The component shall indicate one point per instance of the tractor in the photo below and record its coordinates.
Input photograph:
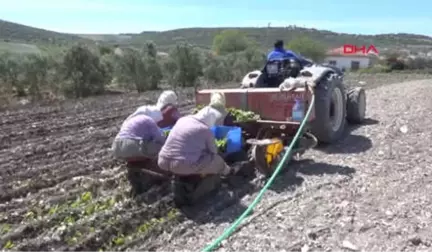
(265, 140)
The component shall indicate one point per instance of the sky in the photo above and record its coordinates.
(134, 16)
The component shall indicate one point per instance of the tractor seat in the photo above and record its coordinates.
(276, 71)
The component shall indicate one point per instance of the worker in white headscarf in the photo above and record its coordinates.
(218, 102)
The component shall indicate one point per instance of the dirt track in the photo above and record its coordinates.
(61, 190)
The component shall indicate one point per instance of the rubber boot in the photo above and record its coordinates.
(190, 190)
(134, 177)
(181, 190)
(205, 187)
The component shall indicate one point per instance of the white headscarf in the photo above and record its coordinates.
(217, 100)
(150, 111)
(167, 97)
(208, 115)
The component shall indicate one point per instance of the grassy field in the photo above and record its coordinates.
(18, 47)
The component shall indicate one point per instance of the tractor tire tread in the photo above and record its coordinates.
(321, 126)
(354, 115)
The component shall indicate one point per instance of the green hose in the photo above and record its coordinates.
(237, 222)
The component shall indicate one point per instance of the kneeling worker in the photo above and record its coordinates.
(139, 140)
(139, 136)
(190, 150)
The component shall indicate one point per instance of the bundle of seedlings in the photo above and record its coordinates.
(237, 115)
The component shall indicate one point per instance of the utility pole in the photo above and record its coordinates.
(267, 34)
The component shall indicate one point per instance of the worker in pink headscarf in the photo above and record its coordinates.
(190, 152)
(139, 136)
(168, 105)
(139, 142)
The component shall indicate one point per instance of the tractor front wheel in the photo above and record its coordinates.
(356, 105)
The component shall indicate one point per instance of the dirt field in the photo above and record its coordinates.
(60, 189)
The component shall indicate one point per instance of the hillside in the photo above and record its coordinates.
(13, 32)
(203, 37)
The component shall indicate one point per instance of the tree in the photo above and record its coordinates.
(216, 69)
(10, 69)
(154, 69)
(132, 68)
(308, 48)
(105, 50)
(230, 41)
(255, 58)
(83, 72)
(184, 66)
(36, 69)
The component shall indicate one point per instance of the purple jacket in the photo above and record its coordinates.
(141, 127)
(188, 140)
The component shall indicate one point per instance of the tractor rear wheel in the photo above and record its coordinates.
(330, 109)
(356, 105)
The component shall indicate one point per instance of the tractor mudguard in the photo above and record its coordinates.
(317, 72)
(251, 79)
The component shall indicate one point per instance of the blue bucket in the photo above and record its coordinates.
(233, 136)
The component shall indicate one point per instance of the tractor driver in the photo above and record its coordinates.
(279, 53)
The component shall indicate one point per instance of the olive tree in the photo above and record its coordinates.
(308, 48)
(131, 68)
(10, 70)
(84, 74)
(153, 67)
(35, 70)
(184, 66)
(230, 41)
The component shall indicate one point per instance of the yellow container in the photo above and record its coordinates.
(273, 150)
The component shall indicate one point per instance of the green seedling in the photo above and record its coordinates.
(9, 245)
(221, 144)
(86, 197)
(243, 116)
(119, 240)
(74, 239)
(141, 230)
(5, 229)
(69, 220)
(172, 214)
(53, 210)
(30, 215)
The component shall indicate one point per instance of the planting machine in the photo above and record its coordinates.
(267, 138)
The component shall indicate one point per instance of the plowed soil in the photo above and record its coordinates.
(60, 189)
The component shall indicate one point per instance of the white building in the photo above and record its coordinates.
(353, 61)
